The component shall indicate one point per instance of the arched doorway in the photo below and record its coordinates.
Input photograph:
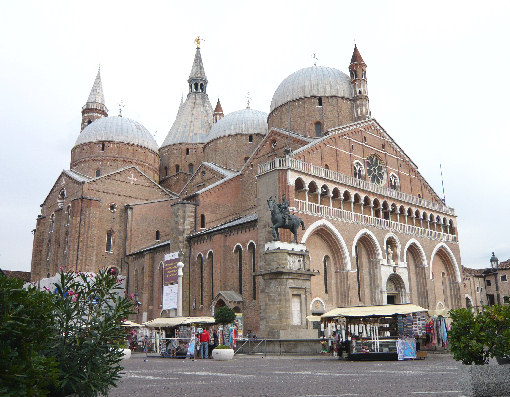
(417, 265)
(367, 257)
(445, 275)
(395, 290)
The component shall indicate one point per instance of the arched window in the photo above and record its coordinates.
(239, 252)
(190, 168)
(52, 223)
(158, 235)
(195, 86)
(201, 280)
(325, 262)
(210, 258)
(109, 241)
(318, 129)
(68, 215)
(250, 138)
(98, 172)
(177, 168)
(202, 87)
(166, 171)
(202, 221)
(319, 101)
(251, 250)
(187, 151)
(102, 146)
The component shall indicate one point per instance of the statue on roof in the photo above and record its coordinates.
(197, 42)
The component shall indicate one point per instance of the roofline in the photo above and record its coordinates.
(167, 242)
(244, 220)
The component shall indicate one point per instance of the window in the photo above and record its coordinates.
(246, 159)
(187, 151)
(177, 168)
(318, 129)
(109, 241)
(477, 289)
(250, 138)
(68, 215)
(195, 86)
(89, 122)
(319, 101)
(158, 235)
(201, 280)
(52, 223)
(166, 171)
(488, 283)
(102, 146)
(325, 262)
(506, 299)
(113, 207)
(251, 249)
(98, 172)
(239, 252)
(202, 87)
(503, 278)
(202, 221)
(190, 168)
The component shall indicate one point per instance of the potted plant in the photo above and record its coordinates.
(475, 339)
(223, 315)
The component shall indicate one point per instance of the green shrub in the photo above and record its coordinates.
(26, 332)
(224, 315)
(220, 347)
(474, 338)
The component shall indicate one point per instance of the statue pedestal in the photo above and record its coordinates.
(284, 291)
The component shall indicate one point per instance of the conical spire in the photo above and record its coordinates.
(197, 70)
(218, 112)
(95, 107)
(356, 56)
(96, 93)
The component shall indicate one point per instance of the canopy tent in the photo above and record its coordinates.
(128, 323)
(373, 311)
(164, 322)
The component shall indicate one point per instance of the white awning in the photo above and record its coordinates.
(128, 323)
(373, 311)
(313, 318)
(163, 322)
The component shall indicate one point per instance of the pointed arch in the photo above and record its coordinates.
(449, 252)
(372, 237)
(338, 237)
(399, 246)
(421, 251)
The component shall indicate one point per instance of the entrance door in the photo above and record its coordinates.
(296, 309)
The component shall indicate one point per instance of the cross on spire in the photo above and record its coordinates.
(315, 59)
(248, 99)
(121, 106)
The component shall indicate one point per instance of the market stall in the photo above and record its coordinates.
(386, 332)
(173, 336)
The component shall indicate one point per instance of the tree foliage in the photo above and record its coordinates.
(63, 343)
(26, 331)
(224, 315)
(474, 338)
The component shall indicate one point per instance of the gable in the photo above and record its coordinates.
(206, 175)
(69, 185)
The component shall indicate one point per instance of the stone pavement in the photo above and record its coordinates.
(438, 375)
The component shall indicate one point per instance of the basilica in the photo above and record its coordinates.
(375, 231)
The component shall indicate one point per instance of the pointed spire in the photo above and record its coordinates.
(356, 56)
(197, 70)
(96, 93)
(218, 112)
(95, 107)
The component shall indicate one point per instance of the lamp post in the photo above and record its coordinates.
(494, 266)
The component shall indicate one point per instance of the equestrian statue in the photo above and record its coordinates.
(282, 219)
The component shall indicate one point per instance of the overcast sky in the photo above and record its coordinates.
(438, 82)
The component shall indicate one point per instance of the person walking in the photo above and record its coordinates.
(205, 338)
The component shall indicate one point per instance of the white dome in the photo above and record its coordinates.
(246, 121)
(117, 129)
(315, 81)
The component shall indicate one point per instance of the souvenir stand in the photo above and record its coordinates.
(386, 332)
(180, 329)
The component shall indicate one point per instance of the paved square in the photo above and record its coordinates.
(438, 375)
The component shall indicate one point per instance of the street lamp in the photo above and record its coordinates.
(494, 266)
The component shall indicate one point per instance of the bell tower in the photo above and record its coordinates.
(94, 108)
(358, 72)
(197, 79)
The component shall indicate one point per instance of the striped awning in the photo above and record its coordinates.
(373, 311)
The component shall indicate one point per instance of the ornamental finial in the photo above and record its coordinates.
(197, 42)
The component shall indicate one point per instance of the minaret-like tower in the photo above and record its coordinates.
(94, 108)
(197, 79)
(358, 71)
(218, 112)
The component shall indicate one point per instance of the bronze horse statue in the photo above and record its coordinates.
(283, 220)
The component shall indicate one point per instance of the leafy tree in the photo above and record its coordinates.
(89, 311)
(224, 315)
(26, 334)
(474, 338)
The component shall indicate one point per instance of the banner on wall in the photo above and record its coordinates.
(170, 279)
(170, 268)
(170, 296)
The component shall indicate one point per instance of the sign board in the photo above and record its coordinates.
(170, 268)
(170, 296)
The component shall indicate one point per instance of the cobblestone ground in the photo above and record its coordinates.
(438, 375)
